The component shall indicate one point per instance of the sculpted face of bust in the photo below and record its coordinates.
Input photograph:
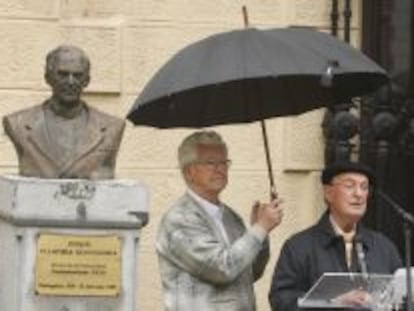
(67, 72)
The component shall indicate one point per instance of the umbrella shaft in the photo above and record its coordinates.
(273, 193)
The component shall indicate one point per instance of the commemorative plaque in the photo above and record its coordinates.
(75, 265)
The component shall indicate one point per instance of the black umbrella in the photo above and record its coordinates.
(250, 74)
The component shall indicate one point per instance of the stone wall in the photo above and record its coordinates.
(127, 42)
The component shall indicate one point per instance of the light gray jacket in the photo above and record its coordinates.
(200, 270)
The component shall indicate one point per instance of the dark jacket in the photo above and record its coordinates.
(310, 253)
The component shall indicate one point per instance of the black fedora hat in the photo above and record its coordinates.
(337, 168)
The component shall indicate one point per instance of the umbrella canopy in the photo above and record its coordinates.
(250, 74)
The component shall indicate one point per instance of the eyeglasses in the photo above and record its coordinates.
(350, 186)
(213, 164)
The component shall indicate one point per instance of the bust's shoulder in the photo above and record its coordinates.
(26, 112)
(24, 116)
(107, 119)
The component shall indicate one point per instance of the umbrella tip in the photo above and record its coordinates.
(245, 16)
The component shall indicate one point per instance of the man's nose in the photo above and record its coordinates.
(71, 79)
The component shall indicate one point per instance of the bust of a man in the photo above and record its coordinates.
(64, 137)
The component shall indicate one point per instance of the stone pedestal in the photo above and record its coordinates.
(69, 245)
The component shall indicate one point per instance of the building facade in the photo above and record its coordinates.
(127, 41)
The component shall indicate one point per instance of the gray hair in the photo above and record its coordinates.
(187, 152)
(53, 56)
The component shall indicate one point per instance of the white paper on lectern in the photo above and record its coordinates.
(399, 284)
(331, 285)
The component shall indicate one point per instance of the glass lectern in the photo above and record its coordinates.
(331, 290)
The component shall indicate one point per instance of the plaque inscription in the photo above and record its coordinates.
(75, 265)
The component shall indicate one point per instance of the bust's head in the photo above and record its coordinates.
(67, 72)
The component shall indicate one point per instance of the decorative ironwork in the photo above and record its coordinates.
(334, 18)
(407, 135)
(347, 20)
(387, 119)
(339, 124)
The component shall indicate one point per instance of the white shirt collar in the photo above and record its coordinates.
(214, 210)
(348, 236)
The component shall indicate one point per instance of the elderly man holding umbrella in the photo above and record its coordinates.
(208, 259)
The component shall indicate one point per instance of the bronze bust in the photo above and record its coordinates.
(64, 137)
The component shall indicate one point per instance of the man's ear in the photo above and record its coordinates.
(48, 78)
(327, 192)
(187, 173)
(86, 81)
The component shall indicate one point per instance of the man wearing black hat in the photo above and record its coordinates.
(337, 243)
